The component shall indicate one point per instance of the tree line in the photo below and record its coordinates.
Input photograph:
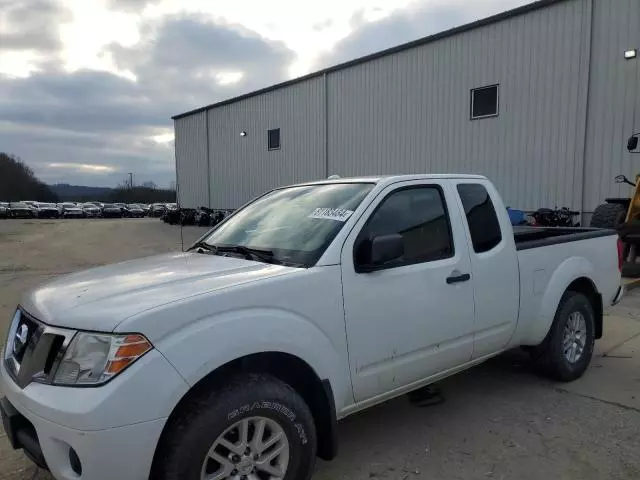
(18, 182)
(146, 193)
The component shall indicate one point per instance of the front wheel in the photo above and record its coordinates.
(255, 428)
(567, 349)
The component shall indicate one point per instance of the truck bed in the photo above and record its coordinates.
(534, 237)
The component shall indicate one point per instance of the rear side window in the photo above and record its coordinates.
(481, 217)
(420, 216)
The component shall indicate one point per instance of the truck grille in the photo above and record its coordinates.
(33, 349)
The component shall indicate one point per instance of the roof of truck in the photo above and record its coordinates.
(395, 178)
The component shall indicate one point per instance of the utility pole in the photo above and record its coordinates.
(130, 179)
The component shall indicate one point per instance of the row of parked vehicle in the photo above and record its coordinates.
(202, 216)
(31, 209)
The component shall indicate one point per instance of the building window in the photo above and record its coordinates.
(273, 139)
(484, 102)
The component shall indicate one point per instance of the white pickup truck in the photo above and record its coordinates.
(235, 359)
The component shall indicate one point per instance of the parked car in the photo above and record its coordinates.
(110, 210)
(4, 209)
(91, 210)
(157, 209)
(146, 207)
(172, 216)
(171, 213)
(21, 210)
(32, 205)
(134, 211)
(71, 210)
(122, 207)
(320, 300)
(47, 210)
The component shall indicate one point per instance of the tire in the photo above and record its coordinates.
(203, 420)
(608, 215)
(550, 354)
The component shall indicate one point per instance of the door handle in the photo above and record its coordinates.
(458, 278)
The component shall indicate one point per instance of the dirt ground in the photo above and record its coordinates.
(498, 421)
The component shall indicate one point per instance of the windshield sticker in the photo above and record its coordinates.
(339, 214)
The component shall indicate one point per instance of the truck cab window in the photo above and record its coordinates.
(420, 216)
(481, 216)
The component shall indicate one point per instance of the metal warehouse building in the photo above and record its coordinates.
(540, 99)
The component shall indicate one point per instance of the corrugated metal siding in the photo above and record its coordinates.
(614, 100)
(409, 112)
(191, 160)
(242, 167)
(568, 102)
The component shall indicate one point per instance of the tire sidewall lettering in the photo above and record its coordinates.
(275, 407)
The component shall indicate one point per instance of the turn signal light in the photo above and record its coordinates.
(131, 348)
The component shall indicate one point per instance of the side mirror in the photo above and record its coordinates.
(386, 248)
(378, 251)
(632, 143)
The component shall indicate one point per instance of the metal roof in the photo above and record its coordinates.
(539, 4)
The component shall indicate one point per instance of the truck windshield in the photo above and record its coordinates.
(296, 224)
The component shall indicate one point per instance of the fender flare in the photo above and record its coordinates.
(566, 273)
(262, 330)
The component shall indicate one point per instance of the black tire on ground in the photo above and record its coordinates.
(549, 355)
(193, 431)
(608, 215)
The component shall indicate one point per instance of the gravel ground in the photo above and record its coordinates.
(498, 421)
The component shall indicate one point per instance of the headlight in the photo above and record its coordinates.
(94, 358)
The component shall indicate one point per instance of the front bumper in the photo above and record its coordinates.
(111, 431)
(21, 433)
(48, 214)
(122, 452)
(21, 214)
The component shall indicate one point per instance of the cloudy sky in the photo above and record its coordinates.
(87, 87)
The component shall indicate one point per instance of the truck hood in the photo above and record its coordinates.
(101, 298)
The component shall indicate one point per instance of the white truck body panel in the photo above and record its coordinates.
(372, 335)
(437, 327)
(544, 278)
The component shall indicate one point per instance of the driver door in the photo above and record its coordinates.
(412, 317)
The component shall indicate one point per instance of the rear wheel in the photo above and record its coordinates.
(255, 428)
(608, 215)
(567, 349)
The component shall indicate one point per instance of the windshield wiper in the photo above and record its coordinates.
(264, 255)
(250, 253)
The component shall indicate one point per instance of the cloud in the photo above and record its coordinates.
(116, 117)
(189, 54)
(130, 5)
(30, 25)
(417, 21)
(61, 122)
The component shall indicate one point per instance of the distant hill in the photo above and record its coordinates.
(18, 182)
(146, 193)
(80, 192)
